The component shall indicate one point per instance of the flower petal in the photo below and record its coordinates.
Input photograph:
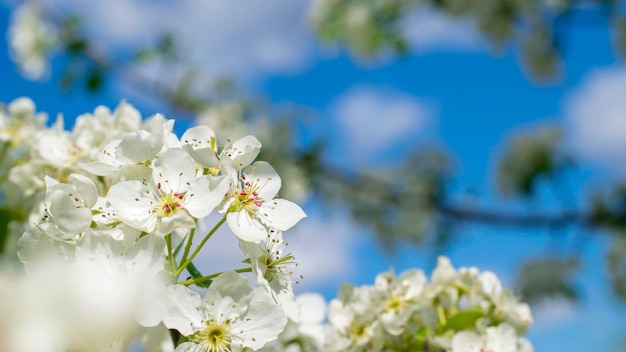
(181, 311)
(246, 228)
(280, 214)
(205, 193)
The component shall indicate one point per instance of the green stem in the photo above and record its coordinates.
(442, 315)
(188, 246)
(197, 250)
(213, 276)
(170, 255)
(3, 151)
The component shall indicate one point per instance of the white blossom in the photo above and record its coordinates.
(171, 199)
(251, 206)
(273, 270)
(230, 315)
(31, 39)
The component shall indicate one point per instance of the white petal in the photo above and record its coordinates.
(137, 147)
(50, 182)
(86, 189)
(197, 142)
(74, 221)
(243, 151)
(262, 324)
(524, 345)
(490, 284)
(180, 220)
(229, 284)
(280, 214)
(395, 322)
(157, 339)
(181, 313)
(132, 203)
(502, 338)
(444, 272)
(414, 281)
(312, 308)
(174, 170)
(466, 341)
(246, 228)
(147, 256)
(190, 347)
(205, 193)
(265, 176)
(198, 137)
(98, 168)
(205, 157)
(287, 301)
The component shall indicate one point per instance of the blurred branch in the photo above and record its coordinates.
(487, 216)
(370, 27)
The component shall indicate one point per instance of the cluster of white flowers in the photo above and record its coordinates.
(457, 311)
(31, 38)
(104, 218)
(112, 209)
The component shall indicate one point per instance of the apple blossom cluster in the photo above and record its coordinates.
(107, 219)
(113, 207)
(456, 311)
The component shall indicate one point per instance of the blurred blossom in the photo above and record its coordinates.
(529, 155)
(96, 293)
(32, 39)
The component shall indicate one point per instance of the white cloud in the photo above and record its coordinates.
(240, 39)
(374, 120)
(428, 30)
(245, 40)
(596, 117)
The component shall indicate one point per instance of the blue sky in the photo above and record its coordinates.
(454, 91)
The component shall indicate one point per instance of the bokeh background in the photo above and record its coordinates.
(492, 132)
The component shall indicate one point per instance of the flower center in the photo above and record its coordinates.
(169, 203)
(278, 266)
(215, 337)
(247, 197)
(395, 304)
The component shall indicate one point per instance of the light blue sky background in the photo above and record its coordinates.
(454, 91)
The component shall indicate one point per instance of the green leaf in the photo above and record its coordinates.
(166, 46)
(76, 46)
(5, 218)
(464, 320)
(94, 81)
(422, 334)
(195, 273)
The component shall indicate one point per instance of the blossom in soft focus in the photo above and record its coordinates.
(31, 39)
(94, 297)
